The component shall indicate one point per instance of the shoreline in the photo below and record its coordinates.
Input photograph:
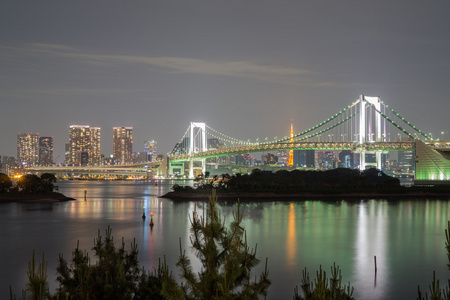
(270, 196)
(34, 198)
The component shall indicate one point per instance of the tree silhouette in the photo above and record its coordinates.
(5, 183)
(225, 258)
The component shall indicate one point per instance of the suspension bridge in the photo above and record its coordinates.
(366, 126)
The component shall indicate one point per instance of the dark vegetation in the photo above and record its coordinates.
(226, 261)
(28, 184)
(334, 181)
(114, 273)
(324, 287)
(436, 293)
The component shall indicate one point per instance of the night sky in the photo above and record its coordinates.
(243, 67)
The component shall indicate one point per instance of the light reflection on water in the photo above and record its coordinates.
(407, 237)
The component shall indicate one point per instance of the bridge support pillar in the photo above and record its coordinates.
(378, 156)
(191, 168)
(362, 160)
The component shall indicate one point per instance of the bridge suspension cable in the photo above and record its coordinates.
(341, 112)
(183, 140)
(227, 138)
(327, 129)
(405, 121)
(391, 121)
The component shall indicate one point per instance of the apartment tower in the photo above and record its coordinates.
(151, 149)
(123, 144)
(28, 148)
(84, 145)
(46, 151)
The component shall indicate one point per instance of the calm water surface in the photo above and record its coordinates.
(407, 237)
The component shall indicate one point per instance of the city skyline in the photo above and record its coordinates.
(245, 67)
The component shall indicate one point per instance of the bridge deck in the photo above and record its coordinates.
(354, 146)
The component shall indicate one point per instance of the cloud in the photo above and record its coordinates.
(241, 69)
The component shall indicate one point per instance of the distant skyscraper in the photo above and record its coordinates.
(270, 159)
(67, 154)
(84, 145)
(406, 162)
(46, 151)
(325, 159)
(151, 149)
(213, 143)
(346, 159)
(28, 148)
(123, 144)
(244, 159)
(309, 158)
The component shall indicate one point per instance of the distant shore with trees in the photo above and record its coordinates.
(339, 183)
(30, 188)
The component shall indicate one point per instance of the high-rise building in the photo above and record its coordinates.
(67, 154)
(46, 151)
(123, 144)
(151, 149)
(325, 160)
(214, 143)
(244, 159)
(270, 159)
(84, 145)
(406, 162)
(346, 159)
(28, 148)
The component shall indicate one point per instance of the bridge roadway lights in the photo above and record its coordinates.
(369, 147)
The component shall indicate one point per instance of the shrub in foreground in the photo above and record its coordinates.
(226, 261)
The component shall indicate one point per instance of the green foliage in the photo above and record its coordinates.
(225, 257)
(339, 180)
(5, 183)
(324, 288)
(32, 184)
(115, 274)
(436, 293)
(37, 286)
(48, 177)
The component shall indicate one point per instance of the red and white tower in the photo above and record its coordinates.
(291, 152)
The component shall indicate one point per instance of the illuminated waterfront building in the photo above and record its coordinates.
(28, 148)
(45, 151)
(84, 145)
(123, 144)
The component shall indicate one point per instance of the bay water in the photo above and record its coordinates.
(406, 236)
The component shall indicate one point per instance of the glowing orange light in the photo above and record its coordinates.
(151, 214)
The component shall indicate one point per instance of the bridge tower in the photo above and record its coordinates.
(197, 143)
(369, 130)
